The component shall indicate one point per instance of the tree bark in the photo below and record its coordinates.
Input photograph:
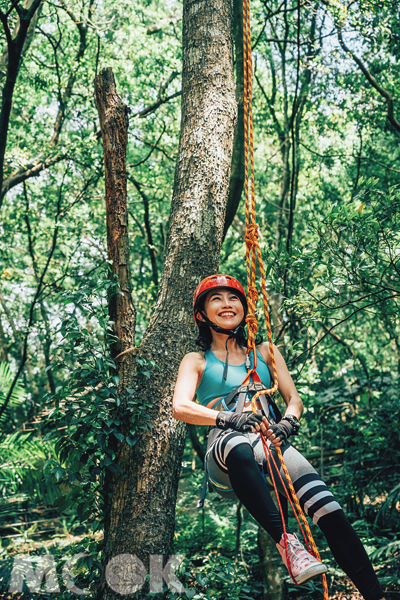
(113, 115)
(141, 516)
(274, 571)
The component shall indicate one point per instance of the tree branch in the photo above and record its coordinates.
(27, 172)
(271, 107)
(3, 19)
(353, 353)
(153, 147)
(43, 311)
(114, 122)
(147, 226)
(33, 305)
(12, 7)
(63, 98)
(15, 48)
(372, 81)
(236, 180)
(293, 123)
(328, 331)
(153, 107)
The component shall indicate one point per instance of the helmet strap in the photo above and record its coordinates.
(231, 333)
(227, 358)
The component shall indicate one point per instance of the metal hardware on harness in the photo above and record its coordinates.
(228, 403)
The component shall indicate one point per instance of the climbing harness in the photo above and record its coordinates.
(253, 251)
(234, 402)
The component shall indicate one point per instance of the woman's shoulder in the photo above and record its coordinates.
(263, 349)
(195, 360)
(266, 354)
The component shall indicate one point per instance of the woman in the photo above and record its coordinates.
(235, 459)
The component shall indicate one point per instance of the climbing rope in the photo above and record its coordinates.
(253, 254)
(251, 237)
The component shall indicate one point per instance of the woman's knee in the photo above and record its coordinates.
(226, 445)
(241, 454)
(315, 498)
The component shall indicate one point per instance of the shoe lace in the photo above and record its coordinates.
(298, 555)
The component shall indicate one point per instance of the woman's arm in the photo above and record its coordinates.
(185, 409)
(287, 388)
(294, 404)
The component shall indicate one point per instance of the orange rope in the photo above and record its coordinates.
(253, 252)
(253, 249)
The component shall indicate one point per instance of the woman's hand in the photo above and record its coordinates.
(265, 428)
(243, 422)
(276, 433)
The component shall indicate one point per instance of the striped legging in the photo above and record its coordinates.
(236, 468)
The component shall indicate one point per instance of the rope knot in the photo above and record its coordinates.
(252, 324)
(251, 236)
(253, 294)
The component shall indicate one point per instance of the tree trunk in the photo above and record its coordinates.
(273, 569)
(113, 115)
(236, 182)
(140, 521)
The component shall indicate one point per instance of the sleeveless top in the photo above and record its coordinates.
(212, 384)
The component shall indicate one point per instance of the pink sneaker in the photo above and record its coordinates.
(303, 564)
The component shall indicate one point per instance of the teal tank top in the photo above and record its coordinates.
(213, 385)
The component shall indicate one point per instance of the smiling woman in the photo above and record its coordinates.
(235, 462)
(224, 308)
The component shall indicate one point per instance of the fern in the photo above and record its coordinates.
(389, 504)
(22, 457)
(387, 551)
(17, 396)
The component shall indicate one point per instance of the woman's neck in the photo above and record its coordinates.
(218, 344)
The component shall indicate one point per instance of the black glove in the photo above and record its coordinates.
(238, 421)
(282, 430)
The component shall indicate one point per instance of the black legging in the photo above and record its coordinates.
(251, 489)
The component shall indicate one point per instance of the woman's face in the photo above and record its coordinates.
(224, 308)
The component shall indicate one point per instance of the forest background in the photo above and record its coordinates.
(326, 118)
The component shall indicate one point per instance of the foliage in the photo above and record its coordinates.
(15, 407)
(85, 572)
(326, 156)
(217, 577)
(22, 459)
(91, 414)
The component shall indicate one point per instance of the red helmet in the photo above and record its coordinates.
(217, 281)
